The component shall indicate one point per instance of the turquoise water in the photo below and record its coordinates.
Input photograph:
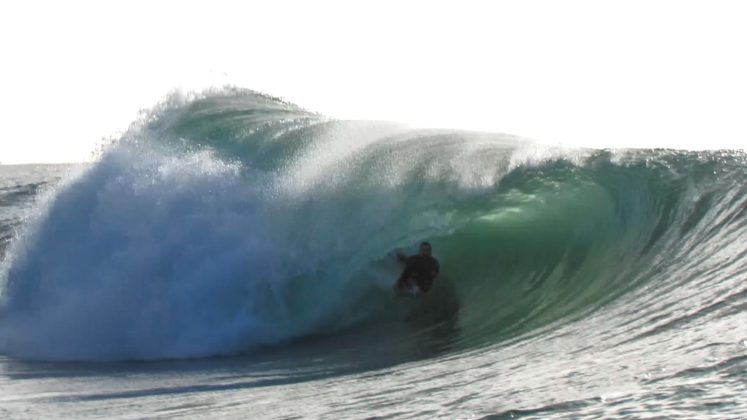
(230, 256)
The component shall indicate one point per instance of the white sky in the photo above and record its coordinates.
(595, 73)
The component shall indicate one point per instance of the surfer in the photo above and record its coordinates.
(420, 271)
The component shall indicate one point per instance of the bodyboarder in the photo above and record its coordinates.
(419, 273)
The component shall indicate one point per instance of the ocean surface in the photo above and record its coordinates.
(231, 256)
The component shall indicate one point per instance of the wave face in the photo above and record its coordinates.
(228, 221)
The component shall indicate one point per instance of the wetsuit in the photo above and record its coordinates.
(420, 269)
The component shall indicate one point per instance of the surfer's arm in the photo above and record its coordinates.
(406, 273)
(435, 269)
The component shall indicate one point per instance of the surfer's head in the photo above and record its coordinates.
(425, 249)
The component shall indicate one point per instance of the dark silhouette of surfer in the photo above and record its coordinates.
(419, 273)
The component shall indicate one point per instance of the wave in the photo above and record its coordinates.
(231, 220)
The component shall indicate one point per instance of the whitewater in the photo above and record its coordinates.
(231, 255)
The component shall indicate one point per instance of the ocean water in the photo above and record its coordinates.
(230, 256)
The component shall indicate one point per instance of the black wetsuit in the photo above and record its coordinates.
(422, 269)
